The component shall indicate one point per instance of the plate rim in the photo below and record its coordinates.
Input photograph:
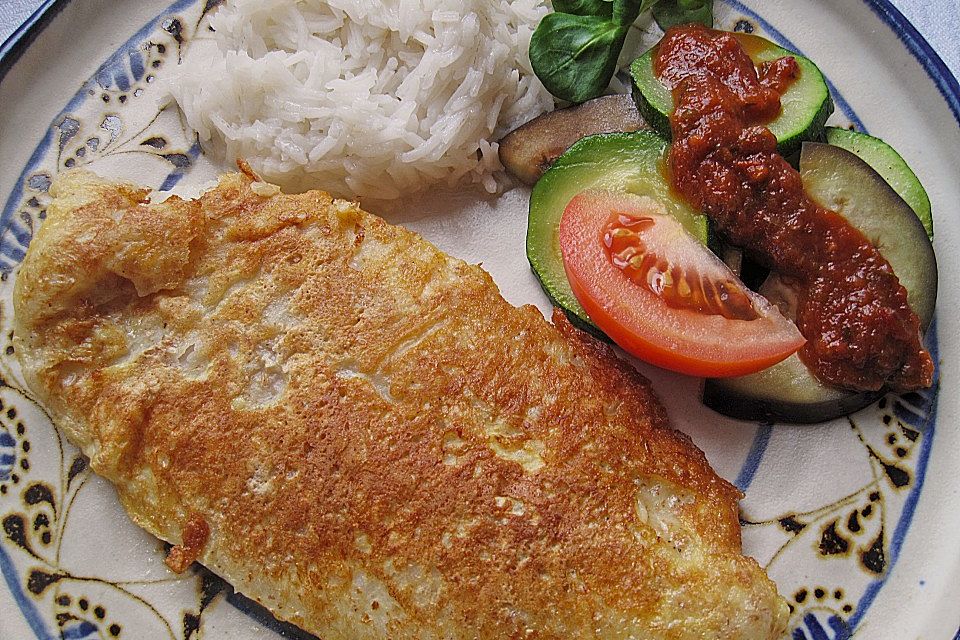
(23, 36)
(921, 49)
(916, 44)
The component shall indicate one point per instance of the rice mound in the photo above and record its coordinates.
(362, 97)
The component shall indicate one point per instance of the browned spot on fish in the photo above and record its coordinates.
(195, 534)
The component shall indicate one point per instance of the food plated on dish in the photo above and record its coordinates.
(736, 106)
(618, 231)
(357, 431)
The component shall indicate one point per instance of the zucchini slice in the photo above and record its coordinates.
(888, 163)
(806, 104)
(630, 162)
(839, 180)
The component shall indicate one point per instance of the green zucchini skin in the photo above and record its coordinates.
(839, 180)
(806, 103)
(888, 163)
(630, 162)
(654, 101)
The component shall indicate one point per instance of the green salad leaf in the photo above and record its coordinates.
(602, 8)
(574, 50)
(626, 11)
(575, 56)
(668, 13)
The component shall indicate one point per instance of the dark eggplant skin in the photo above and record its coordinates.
(529, 150)
(749, 408)
(788, 392)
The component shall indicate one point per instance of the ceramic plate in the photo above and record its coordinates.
(855, 520)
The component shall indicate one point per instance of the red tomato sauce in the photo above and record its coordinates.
(861, 332)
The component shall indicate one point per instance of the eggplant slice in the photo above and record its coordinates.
(529, 150)
(841, 181)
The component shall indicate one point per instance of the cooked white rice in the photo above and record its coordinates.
(362, 97)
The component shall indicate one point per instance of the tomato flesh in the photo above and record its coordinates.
(661, 295)
(679, 286)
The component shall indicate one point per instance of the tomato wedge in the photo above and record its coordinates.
(661, 295)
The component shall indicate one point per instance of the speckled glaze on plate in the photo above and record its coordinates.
(855, 520)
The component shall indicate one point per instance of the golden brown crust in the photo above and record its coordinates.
(195, 534)
(380, 444)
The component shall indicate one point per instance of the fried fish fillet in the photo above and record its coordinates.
(357, 431)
